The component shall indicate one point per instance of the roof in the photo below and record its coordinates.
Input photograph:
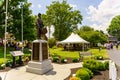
(74, 38)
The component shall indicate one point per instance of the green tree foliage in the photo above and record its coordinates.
(89, 34)
(114, 27)
(14, 20)
(63, 18)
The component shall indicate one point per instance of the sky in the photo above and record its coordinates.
(96, 13)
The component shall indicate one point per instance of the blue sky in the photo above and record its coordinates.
(96, 13)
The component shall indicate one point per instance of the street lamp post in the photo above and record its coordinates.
(6, 17)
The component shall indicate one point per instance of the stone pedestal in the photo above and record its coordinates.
(39, 63)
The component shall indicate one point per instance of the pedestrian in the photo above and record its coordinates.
(117, 45)
(111, 45)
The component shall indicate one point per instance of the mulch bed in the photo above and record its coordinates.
(101, 75)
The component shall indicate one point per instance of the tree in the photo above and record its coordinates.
(14, 20)
(92, 36)
(63, 18)
(114, 27)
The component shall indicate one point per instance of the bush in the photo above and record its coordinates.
(54, 55)
(63, 60)
(74, 78)
(2, 66)
(99, 57)
(75, 60)
(55, 59)
(83, 74)
(9, 63)
(101, 66)
(106, 63)
(91, 64)
(51, 42)
(89, 72)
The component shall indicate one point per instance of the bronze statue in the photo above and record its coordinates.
(41, 30)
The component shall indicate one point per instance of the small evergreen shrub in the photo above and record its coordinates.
(55, 59)
(9, 63)
(83, 74)
(54, 55)
(101, 66)
(2, 66)
(99, 57)
(106, 63)
(89, 72)
(91, 64)
(63, 60)
(75, 60)
(74, 78)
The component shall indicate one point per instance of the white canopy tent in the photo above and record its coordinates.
(74, 38)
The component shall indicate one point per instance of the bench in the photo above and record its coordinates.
(82, 54)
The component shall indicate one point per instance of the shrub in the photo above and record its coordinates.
(51, 42)
(63, 60)
(91, 64)
(89, 72)
(9, 63)
(99, 57)
(106, 63)
(74, 78)
(83, 74)
(101, 66)
(55, 59)
(2, 66)
(26, 58)
(54, 55)
(75, 60)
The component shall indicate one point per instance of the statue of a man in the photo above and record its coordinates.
(41, 31)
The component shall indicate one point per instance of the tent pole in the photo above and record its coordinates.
(83, 47)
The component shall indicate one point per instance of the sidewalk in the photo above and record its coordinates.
(59, 72)
(114, 55)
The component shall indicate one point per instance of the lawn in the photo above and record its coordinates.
(62, 53)
(58, 51)
(72, 54)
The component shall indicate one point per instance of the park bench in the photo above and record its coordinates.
(82, 54)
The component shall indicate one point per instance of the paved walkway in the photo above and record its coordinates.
(60, 72)
(115, 55)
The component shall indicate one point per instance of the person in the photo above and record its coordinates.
(17, 47)
(117, 45)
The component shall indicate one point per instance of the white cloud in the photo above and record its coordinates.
(39, 6)
(73, 6)
(106, 10)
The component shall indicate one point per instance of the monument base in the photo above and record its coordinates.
(39, 67)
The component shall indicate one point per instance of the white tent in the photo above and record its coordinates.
(73, 39)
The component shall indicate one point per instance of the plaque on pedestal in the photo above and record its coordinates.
(39, 59)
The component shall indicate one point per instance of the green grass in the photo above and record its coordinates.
(60, 52)
(72, 54)
(96, 52)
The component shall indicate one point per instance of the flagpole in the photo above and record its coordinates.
(6, 17)
(22, 25)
